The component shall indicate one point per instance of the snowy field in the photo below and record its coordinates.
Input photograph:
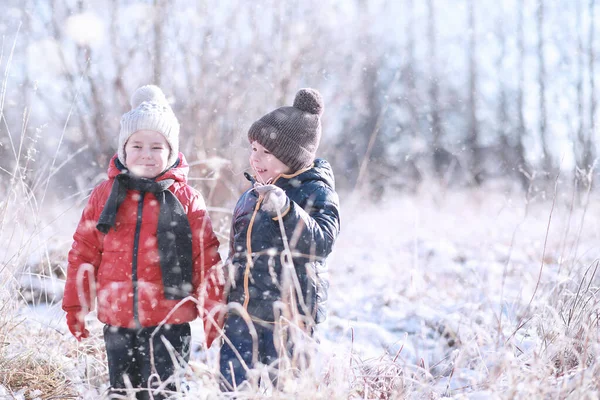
(472, 294)
(453, 285)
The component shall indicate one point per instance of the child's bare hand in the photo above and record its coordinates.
(274, 199)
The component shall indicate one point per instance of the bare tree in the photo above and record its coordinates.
(439, 153)
(370, 152)
(502, 116)
(26, 40)
(589, 148)
(121, 57)
(583, 141)
(547, 163)
(409, 77)
(159, 16)
(525, 173)
(74, 72)
(473, 136)
(580, 139)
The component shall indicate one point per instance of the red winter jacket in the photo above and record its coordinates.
(110, 256)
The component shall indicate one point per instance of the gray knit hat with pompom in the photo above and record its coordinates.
(150, 110)
(292, 134)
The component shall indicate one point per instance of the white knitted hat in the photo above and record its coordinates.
(150, 110)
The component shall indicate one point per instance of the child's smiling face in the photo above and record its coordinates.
(265, 164)
(146, 153)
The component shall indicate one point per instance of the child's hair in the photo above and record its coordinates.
(292, 134)
(150, 110)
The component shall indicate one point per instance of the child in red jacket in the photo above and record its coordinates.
(144, 249)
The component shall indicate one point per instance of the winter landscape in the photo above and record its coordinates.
(437, 295)
(462, 135)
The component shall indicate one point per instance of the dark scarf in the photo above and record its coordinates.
(174, 233)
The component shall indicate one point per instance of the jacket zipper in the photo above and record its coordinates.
(249, 253)
(134, 260)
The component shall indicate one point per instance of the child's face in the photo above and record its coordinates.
(265, 164)
(146, 153)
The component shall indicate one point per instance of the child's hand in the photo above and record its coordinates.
(76, 325)
(274, 199)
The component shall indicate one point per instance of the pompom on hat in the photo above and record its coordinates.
(150, 110)
(292, 134)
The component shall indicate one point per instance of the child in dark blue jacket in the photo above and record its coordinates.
(283, 229)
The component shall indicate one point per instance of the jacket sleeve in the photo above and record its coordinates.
(312, 230)
(208, 272)
(84, 258)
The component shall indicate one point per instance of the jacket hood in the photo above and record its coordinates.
(320, 170)
(178, 172)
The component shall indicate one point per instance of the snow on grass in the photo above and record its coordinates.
(467, 294)
(449, 279)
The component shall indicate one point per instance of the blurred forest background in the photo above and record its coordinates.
(464, 92)
(448, 115)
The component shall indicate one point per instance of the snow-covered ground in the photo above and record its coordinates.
(462, 289)
(444, 281)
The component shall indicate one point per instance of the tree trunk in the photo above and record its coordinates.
(121, 96)
(589, 148)
(436, 126)
(525, 173)
(547, 163)
(159, 10)
(502, 110)
(475, 167)
(409, 76)
(580, 139)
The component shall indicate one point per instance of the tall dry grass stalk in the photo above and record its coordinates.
(34, 355)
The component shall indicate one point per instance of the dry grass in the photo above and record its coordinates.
(35, 377)
(549, 350)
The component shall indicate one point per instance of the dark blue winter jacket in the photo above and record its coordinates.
(310, 227)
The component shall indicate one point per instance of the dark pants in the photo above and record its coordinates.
(128, 352)
(273, 342)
